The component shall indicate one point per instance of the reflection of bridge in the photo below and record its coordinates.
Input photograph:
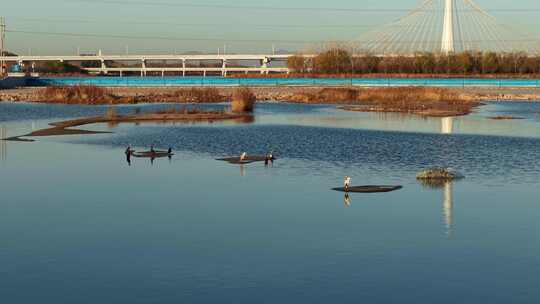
(181, 64)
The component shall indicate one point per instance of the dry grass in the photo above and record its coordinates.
(420, 100)
(197, 95)
(243, 100)
(82, 95)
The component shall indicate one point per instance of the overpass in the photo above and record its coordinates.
(106, 64)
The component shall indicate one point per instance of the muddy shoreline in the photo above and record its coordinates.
(433, 102)
(277, 94)
(66, 127)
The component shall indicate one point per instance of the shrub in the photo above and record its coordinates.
(78, 94)
(243, 100)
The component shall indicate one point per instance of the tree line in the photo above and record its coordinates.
(341, 61)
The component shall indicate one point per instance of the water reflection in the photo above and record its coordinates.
(448, 205)
(448, 200)
(347, 200)
(3, 144)
(447, 125)
(242, 170)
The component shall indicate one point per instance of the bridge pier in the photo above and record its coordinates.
(264, 65)
(143, 67)
(183, 68)
(224, 68)
(103, 67)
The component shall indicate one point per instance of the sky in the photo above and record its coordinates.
(239, 26)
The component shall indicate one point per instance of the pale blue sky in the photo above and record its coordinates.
(141, 18)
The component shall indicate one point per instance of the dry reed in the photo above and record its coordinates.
(243, 100)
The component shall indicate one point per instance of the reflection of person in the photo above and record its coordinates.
(347, 200)
(242, 170)
(243, 156)
(346, 183)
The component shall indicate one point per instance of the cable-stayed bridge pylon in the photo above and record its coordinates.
(446, 26)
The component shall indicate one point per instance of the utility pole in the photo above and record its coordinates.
(2, 44)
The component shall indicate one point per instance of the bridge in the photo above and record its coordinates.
(105, 64)
(447, 26)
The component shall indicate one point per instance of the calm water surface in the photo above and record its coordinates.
(80, 225)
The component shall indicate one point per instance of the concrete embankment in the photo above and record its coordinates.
(12, 82)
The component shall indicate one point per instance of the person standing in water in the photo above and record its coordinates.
(169, 151)
(271, 157)
(128, 150)
(346, 183)
(243, 156)
(128, 154)
(152, 149)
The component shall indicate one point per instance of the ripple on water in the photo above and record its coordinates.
(373, 152)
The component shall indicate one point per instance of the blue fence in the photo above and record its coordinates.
(222, 81)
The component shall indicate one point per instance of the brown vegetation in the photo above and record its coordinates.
(199, 95)
(340, 61)
(82, 95)
(243, 100)
(98, 95)
(110, 117)
(416, 100)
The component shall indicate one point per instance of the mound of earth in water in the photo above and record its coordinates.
(439, 173)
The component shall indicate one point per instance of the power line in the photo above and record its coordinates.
(283, 8)
(166, 38)
(169, 38)
(133, 22)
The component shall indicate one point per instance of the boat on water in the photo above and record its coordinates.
(152, 154)
(247, 159)
(368, 189)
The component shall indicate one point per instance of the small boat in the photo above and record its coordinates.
(241, 162)
(249, 158)
(152, 154)
(368, 189)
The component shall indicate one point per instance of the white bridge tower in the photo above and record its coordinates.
(446, 26)
(447, 44)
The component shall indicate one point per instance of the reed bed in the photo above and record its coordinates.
(420, 100)
(82, 94)
(243, 100)
(199, 95)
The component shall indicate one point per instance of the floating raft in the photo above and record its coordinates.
(150, 154)
(369, 189)
(247, 160)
